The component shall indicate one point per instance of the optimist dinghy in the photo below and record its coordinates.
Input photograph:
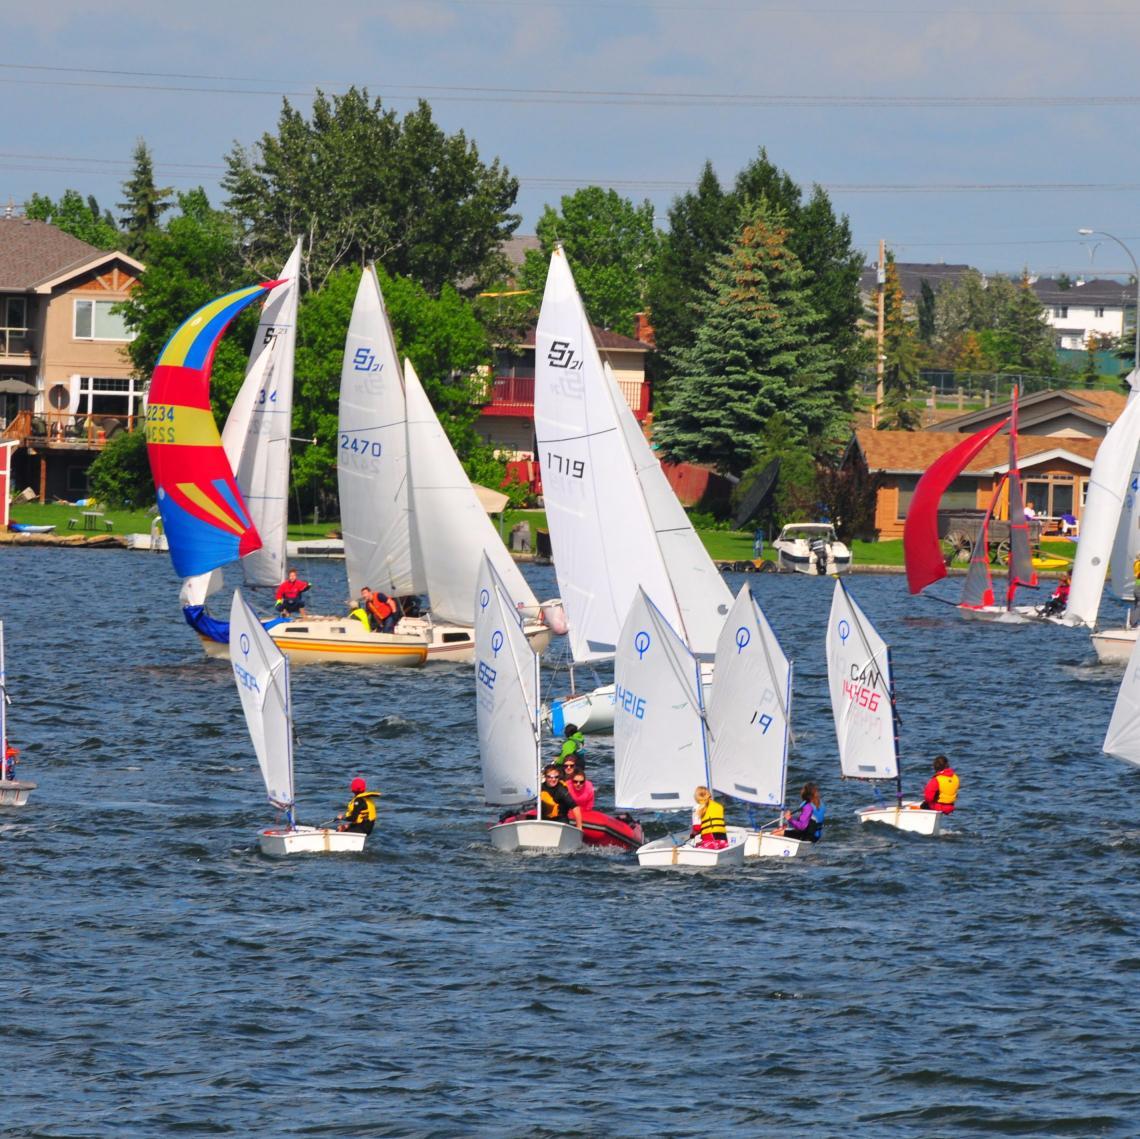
(863, 705)
(261, 673)
(13, 792)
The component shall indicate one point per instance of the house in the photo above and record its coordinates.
(1100, 309)
(1059, 433)
(66, 384)
(912, 274)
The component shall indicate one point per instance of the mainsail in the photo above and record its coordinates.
(659, 737)
(750, 707)
(922, 549)
(1123, 736)
(862, 692)
(206, 522)
(261, 673)
(506, 695)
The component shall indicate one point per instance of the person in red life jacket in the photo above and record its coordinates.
(291, 595)
(382, 611)
(360, 814)
(555, 801)
(11, 755)
(941, 791)
(708, 820)
(1056, 604)
(580, 788)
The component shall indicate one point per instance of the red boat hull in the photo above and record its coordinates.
(599, 829)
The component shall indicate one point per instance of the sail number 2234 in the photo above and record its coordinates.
(160, 423)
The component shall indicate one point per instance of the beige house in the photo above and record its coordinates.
(66, 383)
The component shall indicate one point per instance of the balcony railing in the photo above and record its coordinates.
(74, 432)
(15, 343)
(514, 395)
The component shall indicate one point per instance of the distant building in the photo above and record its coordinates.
(66, 383)
(911, 276)
(1083, 309)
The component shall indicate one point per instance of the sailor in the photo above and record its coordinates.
(360, 814)
(580, 788)
(574, 743)
(708, 822)
(1056, 604)
(383, 611)
(291, 594)
(806, 821)
(556, 801)
(941, 791)
(11, 753)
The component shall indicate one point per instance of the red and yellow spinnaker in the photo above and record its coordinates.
(206, 521)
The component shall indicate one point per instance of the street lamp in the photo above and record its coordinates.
(1136, 275)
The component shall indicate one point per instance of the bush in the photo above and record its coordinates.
(120, 475)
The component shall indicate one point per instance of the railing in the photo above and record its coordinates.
(514, 394)
(58, 429)
(15, 342)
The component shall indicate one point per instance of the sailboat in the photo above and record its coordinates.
(13, 792)
(1123, 736)
(863, 706)
(749, 718)
(261, 673)
(615, 523)
(207, 521)
(506, 710)
(660, 744)
(412, 521)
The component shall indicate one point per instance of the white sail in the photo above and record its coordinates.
(372, 454)
(659, 737)
(451, 529)
(750, 707)
(261, 673)
(600, 529)
(258, 427)
(1126, 545)
(1104, 502)
(859, 676)
(702, 597)
(1123, 736)
(199, 587)
(506, 694)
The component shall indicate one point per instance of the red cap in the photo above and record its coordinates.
(358, 785)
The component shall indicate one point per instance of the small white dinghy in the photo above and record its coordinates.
(660, 747)
(13, 792)
(507, 717)
(863, 706)
(748, 720)
(261, 673)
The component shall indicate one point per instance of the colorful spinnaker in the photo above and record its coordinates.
(206, 521)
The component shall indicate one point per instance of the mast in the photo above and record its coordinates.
(1020, 570)
(3, 710)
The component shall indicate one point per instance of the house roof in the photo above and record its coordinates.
(1099, 407)
(1098, 291)
(911, 276)
(517, 246)
(912, 452)
(35, 255)
(603, 338)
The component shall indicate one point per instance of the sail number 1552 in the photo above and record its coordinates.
(559, 464)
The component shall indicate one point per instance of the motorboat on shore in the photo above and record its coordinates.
(811, 548)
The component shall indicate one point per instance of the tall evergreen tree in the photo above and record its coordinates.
(900, 358)
(759, 350)
(79, 216)
(1030, 332)
(926, 324)
(144, 205)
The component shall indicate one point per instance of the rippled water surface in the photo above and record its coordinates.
(162, 977)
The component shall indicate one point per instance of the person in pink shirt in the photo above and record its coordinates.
(581, 789)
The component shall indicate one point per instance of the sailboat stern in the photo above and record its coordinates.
(310, 840)
(15, 792)
(536, 834)
(675, 851)
(909, 815)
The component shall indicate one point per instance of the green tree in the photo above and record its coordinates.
(795, 496)
(358, 183)
(900, 358)
(79, 216)
(120, 474)
(612, 248)
(1090, 375)
(758, 351)
(145, 204)
(926, 324)
(971, 304)
(1032, 337)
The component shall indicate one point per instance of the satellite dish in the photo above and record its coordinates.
(757, 493)
(59, 397)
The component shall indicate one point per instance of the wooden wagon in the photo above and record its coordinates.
(959, 531)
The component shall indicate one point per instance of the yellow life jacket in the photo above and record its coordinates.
(712, 819)
(362, 807)
(947, 786)
(362, 617)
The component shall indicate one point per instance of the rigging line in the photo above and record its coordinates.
(573, 438)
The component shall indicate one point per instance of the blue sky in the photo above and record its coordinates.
(958, 130)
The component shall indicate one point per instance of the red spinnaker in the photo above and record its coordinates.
(922, 550)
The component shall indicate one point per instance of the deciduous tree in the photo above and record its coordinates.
(79, 216)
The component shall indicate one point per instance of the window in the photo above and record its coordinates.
(1061, 312)
(111, 396)
(1099, 310)
(961, 494)
(96, 320)
(15, 313)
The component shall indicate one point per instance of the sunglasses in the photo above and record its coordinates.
(579, 782)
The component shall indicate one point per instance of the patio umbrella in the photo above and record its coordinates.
(12, 386)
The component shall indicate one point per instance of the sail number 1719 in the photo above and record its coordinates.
(560, 465)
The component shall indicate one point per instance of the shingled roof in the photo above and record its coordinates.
(603, 338)
(912, 452)
(1099, 291)
(34, 251)
(911, 276)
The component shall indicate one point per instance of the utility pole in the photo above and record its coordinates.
(882, 277)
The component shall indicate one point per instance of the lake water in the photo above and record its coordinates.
(164, 978)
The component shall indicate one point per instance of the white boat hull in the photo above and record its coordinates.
(765, 844)
(807, 563)
(536, 834)
(324, 640)
(310, 840)
(1114, 646)
(672, 851)
(910, 816)
(1000, 613)
(15, 792)
(456, 643)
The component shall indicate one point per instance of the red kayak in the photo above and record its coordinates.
(598, 829)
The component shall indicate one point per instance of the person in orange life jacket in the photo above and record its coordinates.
(1056, 604)
(382, 611)
(806, 822)
(291, 594)
(941, 791)
(555, 800)
(708, 820)
(360, 814)
(10, 758)
(580, 788)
